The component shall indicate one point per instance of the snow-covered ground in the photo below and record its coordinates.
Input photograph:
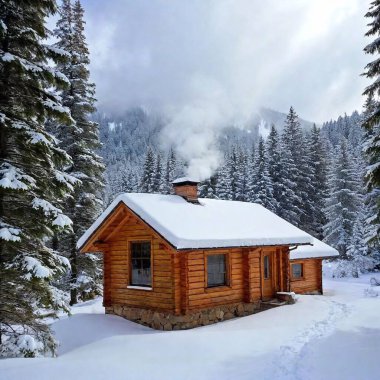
(335, 336)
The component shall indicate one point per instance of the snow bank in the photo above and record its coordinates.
(335, 336)
(210, 224)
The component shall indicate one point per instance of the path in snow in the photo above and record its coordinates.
(288, 362)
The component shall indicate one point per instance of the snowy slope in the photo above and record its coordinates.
(213, 223)
(335, 337)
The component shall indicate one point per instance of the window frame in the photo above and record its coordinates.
(130, 284)
(302, 277)
(227, 262)
(267, 255)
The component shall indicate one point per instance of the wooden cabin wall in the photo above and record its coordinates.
(162, 293)
(244, 266)
(199, 296)
(312, 276)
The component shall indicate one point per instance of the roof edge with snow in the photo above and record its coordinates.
(146, 206)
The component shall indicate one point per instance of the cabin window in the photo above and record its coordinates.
(266, 266)
(297, 270)
(216, 270)
(141, 274)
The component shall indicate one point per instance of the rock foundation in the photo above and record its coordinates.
(166, 321)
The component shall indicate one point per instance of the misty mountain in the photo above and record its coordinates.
(127, 135)
(277, 118)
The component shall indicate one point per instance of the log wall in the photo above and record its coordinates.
(312, 277)
(162, 295)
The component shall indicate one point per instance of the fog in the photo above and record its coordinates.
(208, 63)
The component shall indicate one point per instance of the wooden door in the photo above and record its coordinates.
(268, 274)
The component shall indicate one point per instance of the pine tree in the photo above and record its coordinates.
(242, 173)
(262, 188)
(148, 177)
(207, 188)
(300, 170)
(31, 186)
(171, 171)
(318, 174)
(343, 201)
(223, 188)
(274, 168)
(291, 158)
(371, 121)
(233, 175)
(129, 182)
(359, 258)
(80, 141)
(372, 195)
(159, 176)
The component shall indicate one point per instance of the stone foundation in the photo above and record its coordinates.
(160, 320)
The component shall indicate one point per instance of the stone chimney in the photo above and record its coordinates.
(187, 188)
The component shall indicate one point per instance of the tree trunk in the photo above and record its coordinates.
(74, 271)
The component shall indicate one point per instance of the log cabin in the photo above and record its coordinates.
(177, 262)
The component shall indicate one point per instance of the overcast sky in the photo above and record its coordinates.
(241, 54)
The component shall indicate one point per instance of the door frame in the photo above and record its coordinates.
(273, 256)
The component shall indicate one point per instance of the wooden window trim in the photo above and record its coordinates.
(270, 268)
(129, 253)
(210, 289)
(302, 278)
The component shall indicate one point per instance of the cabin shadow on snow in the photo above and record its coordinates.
(82, 329)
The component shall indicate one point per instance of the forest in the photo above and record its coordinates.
(62, 162)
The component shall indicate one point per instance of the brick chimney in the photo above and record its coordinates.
(186, 188)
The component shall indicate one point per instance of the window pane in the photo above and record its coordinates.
(297, 270)
(266, 266)
(216, 270)
(141, 264)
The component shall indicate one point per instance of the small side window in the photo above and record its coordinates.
(297, 271)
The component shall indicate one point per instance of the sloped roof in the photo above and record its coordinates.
(318, 249)
(210, 224)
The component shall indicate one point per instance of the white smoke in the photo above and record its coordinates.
(194, 127)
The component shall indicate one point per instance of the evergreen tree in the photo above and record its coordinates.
(343, 201)
(31, 186)
(207, 188)
(159, 176)
(223, 186)
(262, 188)
(300, 171)
(148, 176)
(372, 195)
(359, 258)
(171, 171)
(233, 175)
(80, 141)
(318, 175)
(291, 158)
(274, 168)
(242, 172)
(371, 121)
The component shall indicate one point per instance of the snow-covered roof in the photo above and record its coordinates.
(318, 249)
(209, 224)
